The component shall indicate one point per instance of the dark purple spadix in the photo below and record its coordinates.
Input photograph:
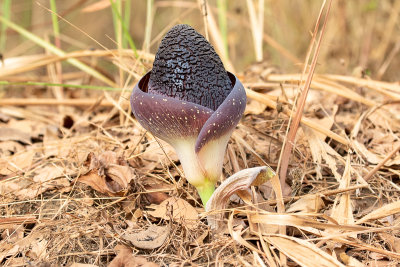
(186, 67)
(189, 100)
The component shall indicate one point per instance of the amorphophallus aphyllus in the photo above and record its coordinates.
(190, 101)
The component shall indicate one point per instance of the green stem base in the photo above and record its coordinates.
(205, 192)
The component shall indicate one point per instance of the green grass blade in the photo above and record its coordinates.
(124, 28)
(89, 87)
(56, 27)
(6, 12)
(39, 41)
(127, 20)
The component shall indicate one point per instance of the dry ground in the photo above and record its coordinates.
(82, 183)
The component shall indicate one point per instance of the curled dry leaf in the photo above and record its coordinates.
(125, 258)
(151, 238)
(241, 180)
(107, 174)
(177, 209)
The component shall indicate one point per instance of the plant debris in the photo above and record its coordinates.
(83, 184)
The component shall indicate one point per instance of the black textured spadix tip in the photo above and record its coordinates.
(186, 67)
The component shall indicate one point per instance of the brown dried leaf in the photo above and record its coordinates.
(8, 148)
(75, 264)
(255, 107)
(16, 163)
(307, 203)
(48, 173)
(33, 127)
(156, 157)
(392, 240)
(94, 180)
(177, 209)
(8, 250)
(151, 238)
(11, 134)
(13, 233)
(38, 250)
(320, 150)
(107, 174)
(125, 258)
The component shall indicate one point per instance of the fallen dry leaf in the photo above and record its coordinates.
(125, 258)
(8, 250)
(177, 209)
(255, 107)
(38, 250)
(393, 241)
(13, 233)
(11, 134)
(16, 163)
(8, 148)
(308, 203)
(151, 238)
(48, 173)
(107, 174)
(75, 264)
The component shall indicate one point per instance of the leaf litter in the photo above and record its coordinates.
(89, 187)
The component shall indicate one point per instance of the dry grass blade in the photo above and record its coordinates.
(386, 210)
(285, 156)
(273, 104)
(58, 52)
(302, 252)
(300, 220)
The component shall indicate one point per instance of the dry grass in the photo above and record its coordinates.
(81, 181)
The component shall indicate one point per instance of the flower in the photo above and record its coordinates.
(190, 101)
